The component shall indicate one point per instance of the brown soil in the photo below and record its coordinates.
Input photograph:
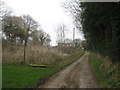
(76, 75)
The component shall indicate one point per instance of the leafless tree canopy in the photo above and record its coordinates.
(61, 32)
(40, 37)
(4, 10)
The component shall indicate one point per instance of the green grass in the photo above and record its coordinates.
(19, 76)
(23, 76)
(106, 76)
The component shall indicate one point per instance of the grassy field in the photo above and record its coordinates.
(23, 76)
(104, 71)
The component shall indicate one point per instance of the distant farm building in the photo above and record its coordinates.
(65, 44)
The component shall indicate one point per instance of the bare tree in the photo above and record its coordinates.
(61, 32)
(21, 29)
(29, 25)
(4, 10)
(73, 6)
(41, 37)
(12, 29)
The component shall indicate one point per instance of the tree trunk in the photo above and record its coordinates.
(24, 56)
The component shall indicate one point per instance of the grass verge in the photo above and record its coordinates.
(104, 71)
(23, 76)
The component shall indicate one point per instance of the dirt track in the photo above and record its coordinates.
(76, 75)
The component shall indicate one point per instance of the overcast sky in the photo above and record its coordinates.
(48, 13)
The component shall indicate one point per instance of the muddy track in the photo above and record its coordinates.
(76, 75)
